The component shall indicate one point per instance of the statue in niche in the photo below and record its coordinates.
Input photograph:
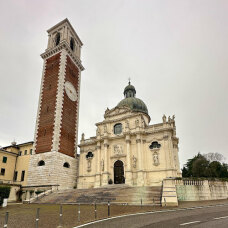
(164, 118)
(156, 159)
(143, 124)
(89, 164)
(118, 149)
(102, 165)
(134, 161)
(137, 123)
(173, 119)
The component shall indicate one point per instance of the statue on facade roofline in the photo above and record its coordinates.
(107, 110)
(164, 118)
(169, 119)
(83, 137)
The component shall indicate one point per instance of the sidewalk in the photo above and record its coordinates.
(184, 204)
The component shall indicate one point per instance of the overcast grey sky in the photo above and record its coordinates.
(175, 52)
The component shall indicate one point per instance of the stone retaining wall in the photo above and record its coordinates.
(189, 190)
(192, 190)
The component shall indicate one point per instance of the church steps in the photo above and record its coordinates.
(115, 194)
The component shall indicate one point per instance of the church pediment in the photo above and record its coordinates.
(116, 111)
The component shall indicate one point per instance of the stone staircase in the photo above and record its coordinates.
(118, 194)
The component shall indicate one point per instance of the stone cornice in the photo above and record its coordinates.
(58, 48)
(131, 114)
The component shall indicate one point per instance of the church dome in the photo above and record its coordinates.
(135, 104)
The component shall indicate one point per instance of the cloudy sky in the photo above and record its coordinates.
(174, 51)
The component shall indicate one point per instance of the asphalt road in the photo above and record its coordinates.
(212, 216)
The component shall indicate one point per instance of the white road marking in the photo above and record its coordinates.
(187, 223)
(150, 212)
(221, 217)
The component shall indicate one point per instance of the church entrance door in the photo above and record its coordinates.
(119, 172)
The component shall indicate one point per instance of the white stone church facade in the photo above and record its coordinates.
(126, 149)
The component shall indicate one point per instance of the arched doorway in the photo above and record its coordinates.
(119, 172)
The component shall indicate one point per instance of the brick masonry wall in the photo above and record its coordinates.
(69, 115)
(47, 111)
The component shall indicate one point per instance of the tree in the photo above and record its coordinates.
(214, 157)
(189, 165)
(200, 166)
(215, 169)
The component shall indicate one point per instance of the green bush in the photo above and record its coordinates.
(4, 193)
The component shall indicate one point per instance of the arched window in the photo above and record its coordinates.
(41, 163)
(66, 165)
(72, 44)
(57, 39)
(89, 155)
(154, 145)
(118, 129)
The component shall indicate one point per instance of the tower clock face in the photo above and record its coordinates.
(70, 91)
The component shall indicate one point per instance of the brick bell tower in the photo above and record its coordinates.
(54, 161)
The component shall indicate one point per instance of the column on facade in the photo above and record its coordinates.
(98, 165)
(128, 172)
(81, 169)
(140, 179)
(105, 173)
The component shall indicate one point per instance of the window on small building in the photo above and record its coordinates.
(72, 44)
(3, 172)
(30, 151)
(57, 39)
(66, 165)
(41, 163)
(154, 145)
(22, 175)
(118, 129)
(25, 152)
(4, 159)
(89, 155)
(15, 176)
(20, 152)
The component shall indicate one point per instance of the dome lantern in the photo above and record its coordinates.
(129, 91)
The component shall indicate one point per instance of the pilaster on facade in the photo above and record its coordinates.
(59, 102)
